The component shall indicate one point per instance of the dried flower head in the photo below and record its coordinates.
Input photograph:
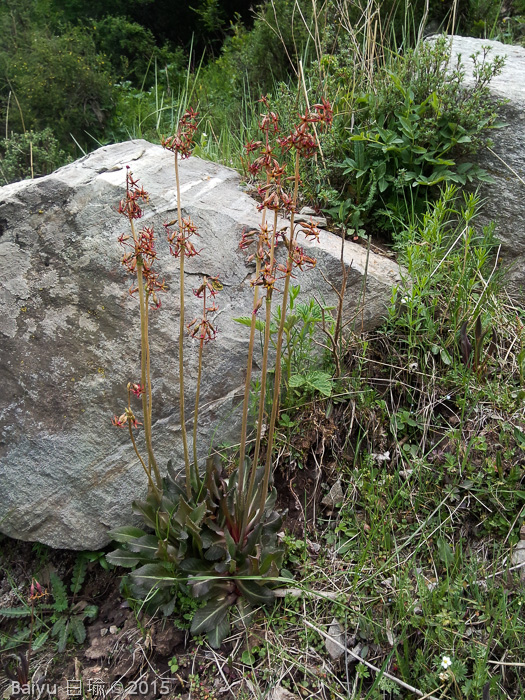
(130, 206)
(179, 238)
(181, 143)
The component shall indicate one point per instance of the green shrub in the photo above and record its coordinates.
(409, 127)
(57, 82)
(32, 154)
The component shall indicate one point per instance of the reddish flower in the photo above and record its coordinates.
(181, 143)
(130, 205)
(179, 239)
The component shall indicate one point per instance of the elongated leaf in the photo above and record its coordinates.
(121, 557)
(147, 544)
(40, 640)
(62, 637)
(192, 565)
(126, 534)
(254, 592)
(198, 513)
(219, 633)
(230, 543)
(215, 552)
(77, 628)
(147, 511)
(154, 574)
(15, 612)
(212, 614)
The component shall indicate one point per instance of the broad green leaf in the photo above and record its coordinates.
(445, 357)
(154, 574)
(219, 633)
(215, 552)
(254, 592)
(296, 380)
(320, 381)
(212, 614)
(121, 557)
(445, 552)
(192, 565)
(126, 534)
(91, 611)
(198, 513)
(146, 544)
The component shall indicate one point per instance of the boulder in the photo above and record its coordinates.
(69, 337)
(504, 200)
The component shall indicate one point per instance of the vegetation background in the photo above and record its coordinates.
(421, 423)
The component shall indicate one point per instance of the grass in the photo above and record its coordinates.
(415, 563)
(424, 430)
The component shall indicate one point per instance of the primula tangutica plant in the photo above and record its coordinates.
(216, 533)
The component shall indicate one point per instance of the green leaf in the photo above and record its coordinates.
(40, 640)
(78, 629)
(215, 552)
(247, 321)
(519, 436)
(192, 565)
(79, 573)
(155, 574)
(198, 513)
(296, 380)
(212, 614)
(219, 633)
(59, 593)
(121, 557)
(126, 534)
(15, 612)
(230, 543)
(320, 381)
(445, 357)
(254, 592)
(90, 611)
(445, 552)
(147, 544)
(62, 638)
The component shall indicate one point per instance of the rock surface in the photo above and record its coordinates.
(505, 162)
(69, 340)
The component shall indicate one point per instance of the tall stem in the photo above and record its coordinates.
(247, 384)
(187, 464)
(196, 411)
(145, 370)
(278, 350)
(262, 395)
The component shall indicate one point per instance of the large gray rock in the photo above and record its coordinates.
(505, 199)
(69, 340)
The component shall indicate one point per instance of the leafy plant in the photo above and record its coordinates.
(416, 126)
(215, 534)
(62, 619)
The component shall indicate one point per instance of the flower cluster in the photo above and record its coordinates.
(201, 328)
(36, 591)
(273, 194)
(130, 206)
(128, 417)
(141, 245)
(181, 143)
(179, 238)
